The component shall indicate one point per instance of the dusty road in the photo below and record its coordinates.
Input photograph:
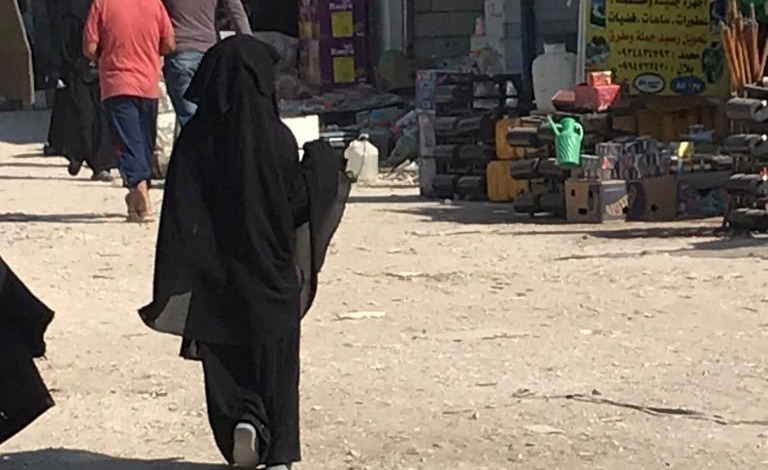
(482, 327)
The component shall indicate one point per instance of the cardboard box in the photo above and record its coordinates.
(653, 199)
(600, 78)
(648, 123)
(597, 98)
(328, 63)
(332, 19)
(589, 201)
(627, 124)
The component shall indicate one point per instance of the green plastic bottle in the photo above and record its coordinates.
(568, 137)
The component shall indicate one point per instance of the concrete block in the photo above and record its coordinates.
(463, 22)
(513, 61)
(504, 11)
(556, 10)
(556, 26)
(439, 24)
(504, 30)
(477, 43)
(499, 13)
(554, 31)
(494, 29)
(428, 48)
(422, 6)
(513, 30)
(459, 5)
(428, 25)
(510, 51)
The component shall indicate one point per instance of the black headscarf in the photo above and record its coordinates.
(226, 262)
(20, 307)
(73, 64)
(23, 322)
(55, 21)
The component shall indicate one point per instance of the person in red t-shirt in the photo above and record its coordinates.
(127, 39)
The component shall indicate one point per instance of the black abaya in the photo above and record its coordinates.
(78, 127)
(61, 130)
(243, 233)
(23, 321)
(258, 384)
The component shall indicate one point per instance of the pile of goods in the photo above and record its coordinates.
(746, 58)
(457, 121)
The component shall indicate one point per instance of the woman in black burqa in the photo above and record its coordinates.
(23, 321)
(243, 234)
(78, 128)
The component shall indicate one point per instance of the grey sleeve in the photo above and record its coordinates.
(236, 13)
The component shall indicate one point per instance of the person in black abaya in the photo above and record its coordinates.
(78, 128)
(23, 321)
(243, 234)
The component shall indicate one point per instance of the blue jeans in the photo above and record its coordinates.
(179, 70)
(133, 122)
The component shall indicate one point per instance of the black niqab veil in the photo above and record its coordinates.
(245, 225)
(23, 322)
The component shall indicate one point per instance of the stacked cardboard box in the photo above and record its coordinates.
(333, 42)
(666, 124)
(595, 201)
(646, 166)
(628, 178)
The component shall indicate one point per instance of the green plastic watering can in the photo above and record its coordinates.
(568, 137)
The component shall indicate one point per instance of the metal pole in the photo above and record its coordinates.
(408, 27)
(530, 41)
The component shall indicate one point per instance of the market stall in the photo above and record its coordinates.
(631, 126)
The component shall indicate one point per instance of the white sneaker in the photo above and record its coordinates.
(245, 453)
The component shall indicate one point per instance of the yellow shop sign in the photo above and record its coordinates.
(659, 47)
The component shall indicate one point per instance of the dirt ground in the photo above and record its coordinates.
(445, 336)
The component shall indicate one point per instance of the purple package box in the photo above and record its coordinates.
(337, 19)
(330, 63)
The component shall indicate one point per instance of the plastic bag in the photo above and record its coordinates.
(286, 46)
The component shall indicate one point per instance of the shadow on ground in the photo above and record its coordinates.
(385, 199)
(478, 213)
(24, 127)
(61, 218)
(65, 459)
(36, 178)
(721, 248)
(660, 230)
(49, 164)
(702, 235)
(468, 213)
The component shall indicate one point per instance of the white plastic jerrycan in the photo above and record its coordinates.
(362, 160)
